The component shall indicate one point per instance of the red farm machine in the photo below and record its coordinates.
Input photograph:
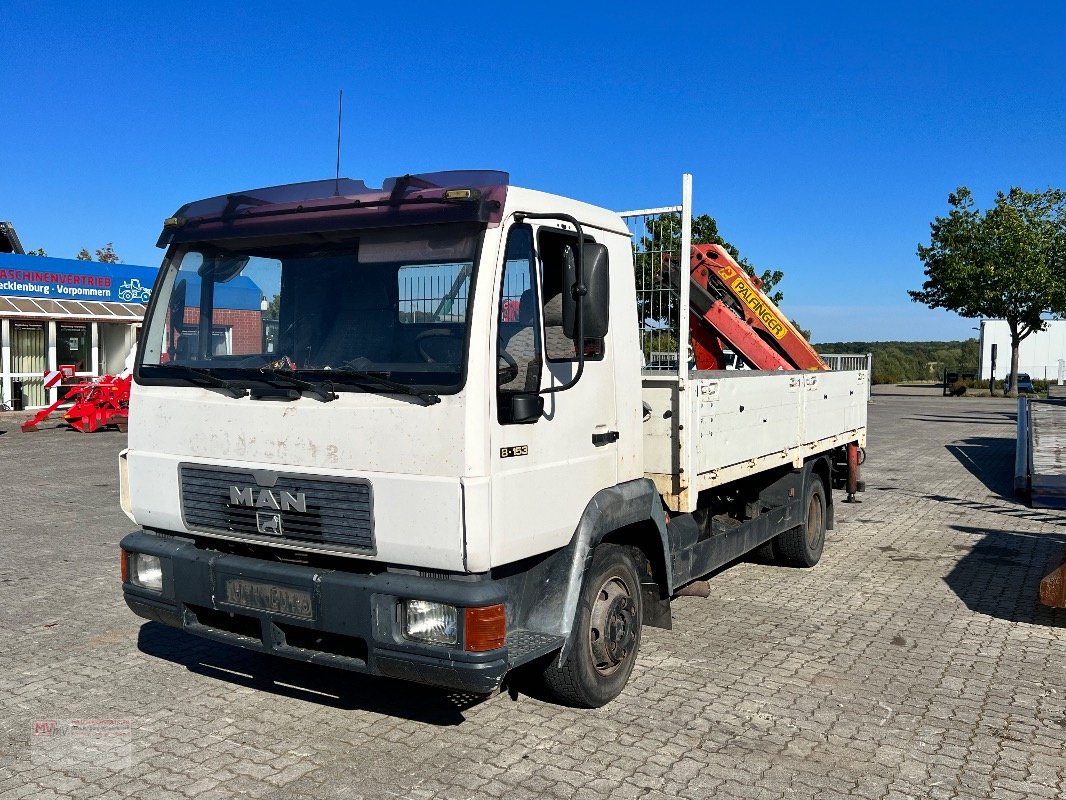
(89, 404)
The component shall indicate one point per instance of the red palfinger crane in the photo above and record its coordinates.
(728, 307)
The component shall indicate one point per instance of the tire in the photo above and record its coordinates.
(802, 546)
(606, 633)
(764, 553)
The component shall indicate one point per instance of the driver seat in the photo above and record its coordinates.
(521, 341)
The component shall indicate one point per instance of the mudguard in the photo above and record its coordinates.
(550, 589)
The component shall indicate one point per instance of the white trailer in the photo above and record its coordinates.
(447, 457)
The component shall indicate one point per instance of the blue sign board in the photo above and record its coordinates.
(67, 279)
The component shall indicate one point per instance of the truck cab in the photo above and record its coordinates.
(398, 434)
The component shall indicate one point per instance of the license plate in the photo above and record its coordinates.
(269, 597)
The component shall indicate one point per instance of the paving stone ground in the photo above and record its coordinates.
(914, 661)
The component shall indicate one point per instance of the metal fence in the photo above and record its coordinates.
(434, 293)
(842, 361)
(661, 236)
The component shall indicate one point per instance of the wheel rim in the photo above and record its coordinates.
(815, 529)
(612, 633)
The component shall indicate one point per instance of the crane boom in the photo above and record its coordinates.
(729, 307)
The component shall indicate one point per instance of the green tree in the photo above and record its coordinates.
(664, 234)
(107, 254)
(1008, 262)
(894, 362)
(705, 231)
(38, 252)
(273, 308)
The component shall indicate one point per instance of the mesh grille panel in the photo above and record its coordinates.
(307, 509)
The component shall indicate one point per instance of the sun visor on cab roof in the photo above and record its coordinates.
(337, 204)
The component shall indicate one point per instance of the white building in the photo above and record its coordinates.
(1039, 354)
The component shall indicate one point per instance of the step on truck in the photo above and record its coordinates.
(450, 427)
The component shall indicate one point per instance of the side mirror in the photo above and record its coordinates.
(596, 308)
(526, 408)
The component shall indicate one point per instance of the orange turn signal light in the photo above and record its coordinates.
(484, 628)
(124, 565)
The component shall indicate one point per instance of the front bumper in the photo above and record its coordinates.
(352, 622)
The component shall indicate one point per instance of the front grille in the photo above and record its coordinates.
(339, 511)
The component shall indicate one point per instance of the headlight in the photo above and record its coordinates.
(146, 571)
(436, 623)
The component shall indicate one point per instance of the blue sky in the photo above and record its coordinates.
(822, 136)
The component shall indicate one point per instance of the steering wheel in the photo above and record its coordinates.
(433, 333)
(359, 363)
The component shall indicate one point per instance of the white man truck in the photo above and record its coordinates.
(412, 431)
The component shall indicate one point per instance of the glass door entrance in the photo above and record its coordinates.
(72, 349)
(72, 345)
(29, 359)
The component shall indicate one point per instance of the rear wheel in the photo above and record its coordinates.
(802, 546)
(606, 633)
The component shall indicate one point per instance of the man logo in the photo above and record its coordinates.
(266, 499)
(268, 523)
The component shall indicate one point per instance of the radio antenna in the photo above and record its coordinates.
(340, 112)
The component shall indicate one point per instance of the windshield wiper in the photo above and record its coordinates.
(319, 389)
(201, 377)
(362, 378)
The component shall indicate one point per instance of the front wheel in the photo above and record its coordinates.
(606, 633)
(802, 546)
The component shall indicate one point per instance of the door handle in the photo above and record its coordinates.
(600, 439)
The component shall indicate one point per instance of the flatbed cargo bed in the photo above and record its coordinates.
(717, 427)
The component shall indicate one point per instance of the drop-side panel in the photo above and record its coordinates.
(744, 422)
(737, 419)
(834, 401)
(660, 425)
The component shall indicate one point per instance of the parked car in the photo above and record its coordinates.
(1025, 384)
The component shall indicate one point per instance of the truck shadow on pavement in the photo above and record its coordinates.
(985, 418)
(309, 682)
(1000, 574)
(1018, 511)
(990, 459)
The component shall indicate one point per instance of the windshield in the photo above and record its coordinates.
(391, 303)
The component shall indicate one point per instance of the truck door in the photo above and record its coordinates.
(545, 472)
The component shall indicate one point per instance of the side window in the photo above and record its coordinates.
(556, 248)
(518, 345)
